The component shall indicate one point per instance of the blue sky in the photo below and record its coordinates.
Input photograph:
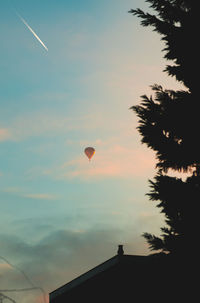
(60, 214)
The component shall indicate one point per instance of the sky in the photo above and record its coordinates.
(61, 215)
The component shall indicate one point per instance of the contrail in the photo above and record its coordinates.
(32, 31)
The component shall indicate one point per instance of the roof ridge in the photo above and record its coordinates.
(85, 276)
(90, 273)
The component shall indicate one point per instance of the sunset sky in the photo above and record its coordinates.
(60, 214)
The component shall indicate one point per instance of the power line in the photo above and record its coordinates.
(2, 297)
(19, 289)
(27, 279)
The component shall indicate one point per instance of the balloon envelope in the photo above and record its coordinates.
(89, 151)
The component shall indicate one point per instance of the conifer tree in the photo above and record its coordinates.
(168, 124)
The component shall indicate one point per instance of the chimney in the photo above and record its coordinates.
(120, 251)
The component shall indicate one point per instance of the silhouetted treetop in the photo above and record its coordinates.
(176, 21)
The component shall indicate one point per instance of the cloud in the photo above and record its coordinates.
(12, 189)
(75, 253)
(23, 193)
(42, 124)
(4, 134)
(5, 266)
(40, 196)
(39, 124)
(109, 161)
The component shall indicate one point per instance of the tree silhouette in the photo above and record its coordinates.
(168, 124)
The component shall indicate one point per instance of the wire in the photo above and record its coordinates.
(27, 279)
(19, 289)
(6, 297)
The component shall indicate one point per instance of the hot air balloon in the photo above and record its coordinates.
(89, 151)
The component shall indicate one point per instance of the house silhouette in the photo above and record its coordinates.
(125, 278)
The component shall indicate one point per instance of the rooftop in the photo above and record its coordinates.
(120, 258)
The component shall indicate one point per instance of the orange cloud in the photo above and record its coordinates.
(117, 161)
(4, 134)
(5, 266)
(22, 193)
(42, 299)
